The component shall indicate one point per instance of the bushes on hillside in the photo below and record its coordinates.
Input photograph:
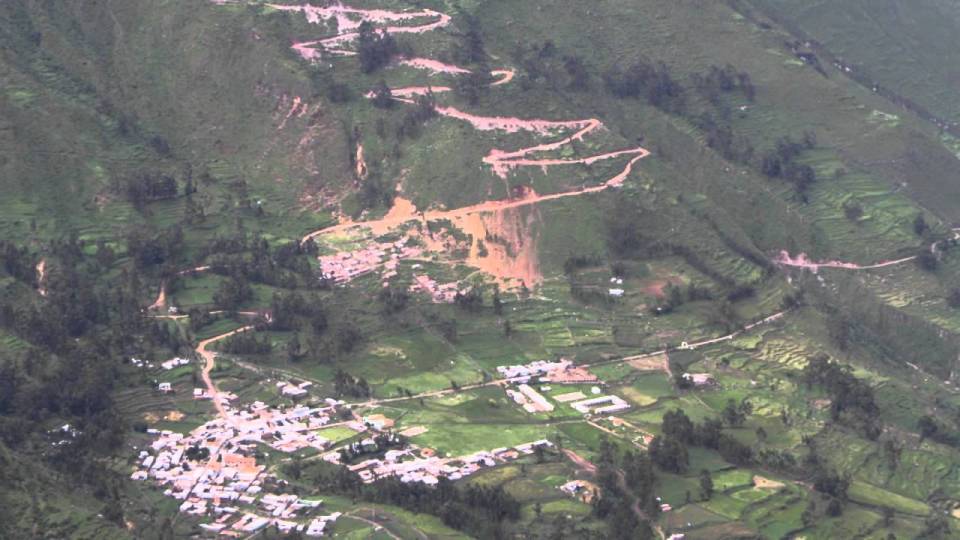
(718, 80)
(147, 187)
(780, 162)
(653, 82)
(851, 399)
(374, 49)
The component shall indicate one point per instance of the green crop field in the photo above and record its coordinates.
(731, 224)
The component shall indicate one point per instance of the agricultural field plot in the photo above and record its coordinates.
(478, 270)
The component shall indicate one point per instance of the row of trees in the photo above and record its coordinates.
(780, 162)
(147, 187)
(628, 483)
(719, 80)
(653, 82)
(345, 384)
(247, 343)
(678, 431)
(479, 511)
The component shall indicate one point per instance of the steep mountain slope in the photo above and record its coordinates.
(903, 47)
(394, 203)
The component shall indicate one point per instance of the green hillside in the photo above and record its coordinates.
(374, 208)
(905, 48)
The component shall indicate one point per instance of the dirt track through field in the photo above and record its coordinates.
(210, 360)
(499, 218)
(801, 261)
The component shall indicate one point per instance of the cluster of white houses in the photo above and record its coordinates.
(344, 266)
(214, 472)
(533, 369)
(408, 467)
(174, 362)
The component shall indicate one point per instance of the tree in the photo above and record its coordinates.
(470, 49)
(577, 71)
(498, 304)
(927, 260)
(838, 329)
(732, 414)
(888, 515)
(920, 226)
(475, 84)
(382, 95)
(294, 350)
(936, 525)
(953, 299)
(834, 508)
(831, 483)
(928, 426)
(676, 424)
(669, 454)
(233, 292)
(891, 452)
(374, 49)
(706, 485)
(809, 515)
(852, 210)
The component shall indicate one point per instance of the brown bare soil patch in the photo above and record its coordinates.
(821, 403)
(766, 483)
(413, 432)
(658, 287)
(151, 418)
(571, 396)
(650, 363)
(174, 416)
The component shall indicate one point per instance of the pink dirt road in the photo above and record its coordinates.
(209, 358)
(801, 261)
(501, 161)
(349, 20)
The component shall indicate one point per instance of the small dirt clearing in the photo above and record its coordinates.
(414, 431)
(760, 482)
(659, 362)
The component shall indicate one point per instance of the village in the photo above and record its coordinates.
(214, 469)
(345, 266)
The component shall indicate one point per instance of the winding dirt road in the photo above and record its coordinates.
(501, 161)
(209, 359)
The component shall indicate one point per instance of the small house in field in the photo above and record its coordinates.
(165, 387)
(700, 379)
(378, 422)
